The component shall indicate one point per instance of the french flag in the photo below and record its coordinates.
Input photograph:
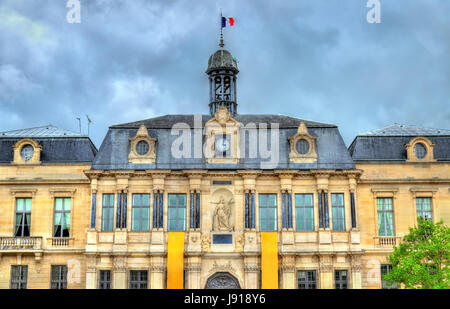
(229, 20)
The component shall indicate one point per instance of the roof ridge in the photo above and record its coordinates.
(404, 130)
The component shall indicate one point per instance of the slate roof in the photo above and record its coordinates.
(406, 130)
(113, 153)
(167, 121)
(42, 131)
(58, 145)
(388, 143)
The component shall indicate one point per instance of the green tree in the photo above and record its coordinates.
(422, 260)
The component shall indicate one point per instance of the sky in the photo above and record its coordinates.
(318, 60)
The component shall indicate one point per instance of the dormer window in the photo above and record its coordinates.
(420, 149)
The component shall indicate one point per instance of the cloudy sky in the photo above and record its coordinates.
(314, 59)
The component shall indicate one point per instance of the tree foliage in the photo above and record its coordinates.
(422, 260)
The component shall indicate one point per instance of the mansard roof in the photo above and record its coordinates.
(113, 153)
(42, 131)
(388, 143)
(167, 121)
(58, 145)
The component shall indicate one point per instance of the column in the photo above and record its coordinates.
(251, 272)
(120, 272)
(288, 272)
(326, 272)
(91, 272)
(356, 272)
(157, 272)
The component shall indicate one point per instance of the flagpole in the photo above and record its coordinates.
(221, 28)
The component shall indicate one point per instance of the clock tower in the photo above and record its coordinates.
(222, 71)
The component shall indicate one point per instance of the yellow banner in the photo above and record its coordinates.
(269, 260)
(175, 260)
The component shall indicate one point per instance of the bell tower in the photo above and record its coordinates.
(222, 71)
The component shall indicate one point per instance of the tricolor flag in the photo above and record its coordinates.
(229, 20)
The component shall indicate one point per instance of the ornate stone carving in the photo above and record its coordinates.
(222, 280)
(158, 268)
(305, 153)
(145, 153)
(239, 242)
(225, 267)
(325, 268)
(222, 214)
(252, 268)
(120, 264)
(197, 267)
(206, 242)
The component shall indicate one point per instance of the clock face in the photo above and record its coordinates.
(222, 144)
(27, 152)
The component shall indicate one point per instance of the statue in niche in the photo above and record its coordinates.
(222, 214)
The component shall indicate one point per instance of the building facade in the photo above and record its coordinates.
(220, 200)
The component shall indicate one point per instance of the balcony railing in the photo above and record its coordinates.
(20, 243)
(60, 241)
(386, 241)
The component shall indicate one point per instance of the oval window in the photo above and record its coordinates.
(27, 152)
(142, 148)
(302, 146)
(420, 150)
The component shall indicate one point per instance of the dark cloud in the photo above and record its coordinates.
(314, 59)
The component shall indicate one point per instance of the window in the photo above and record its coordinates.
(340, 279)
(304, 212)
(62, 217)
(177, 212)
(385, 217)
(19, 276)
(142, 148)
(420, 150)
(306, 279)
(104, 281)
(108, 212)
(385, 269)
(424, 209)
(337, 211)
(267, 212)
(138, 279)
(141, 213)
(59, 277)
(23, 217)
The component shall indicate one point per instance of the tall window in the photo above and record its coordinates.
(141, 213)
(138, 279)
(177, 212)
(267, 212)
(19, 276)
(104, 281)
(385, 269)
(306, 279)
(23, 217)
(385, 216)
(108, 212)
(424, 209)
(59, 277)
(337, 211)
(340, 279)
(61, 226)
(304, 212)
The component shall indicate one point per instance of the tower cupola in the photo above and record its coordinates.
(222, 71)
